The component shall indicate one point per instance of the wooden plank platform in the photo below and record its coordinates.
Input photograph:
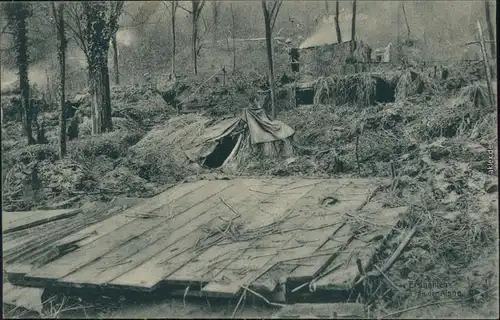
(221, 236)
(14, 221)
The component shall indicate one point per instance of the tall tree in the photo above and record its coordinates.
(406, 20)
(215, 19)
(196, 8)
(58, 14)
(353, 26)
(93, 25)
(115, 59)
(17, 13)
(337, 25)
(233, 35)
(172, 6)
(336, 18)
(270, 11)
(489, 26)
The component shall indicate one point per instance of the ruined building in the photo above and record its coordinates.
(310, 63)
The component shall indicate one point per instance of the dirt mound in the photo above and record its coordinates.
(113, 144)
(458, 115)
(141, 104)
(122, 180)
(119, 124)
(44, 180)
(159, 155)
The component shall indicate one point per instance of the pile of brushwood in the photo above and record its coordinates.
(34, 176)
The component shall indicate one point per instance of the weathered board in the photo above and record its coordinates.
(181, 237)
(14, 221)
(134, 229)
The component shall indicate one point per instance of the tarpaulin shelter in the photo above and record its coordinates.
(228, 139)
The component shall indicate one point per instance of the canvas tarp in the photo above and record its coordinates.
(258, 126)
(262, 129)
(205, 144)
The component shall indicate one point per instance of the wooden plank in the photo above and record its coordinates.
(198, 271)
(197, 264)
(17, 269)
(258, 260)
(286, 197)
(46, 242)
(340, 238)
(19, 240)
(7, 287)
(149, 274)
(91, 252)
(337, 241)
(14, 221)
(98, 230)
(364, 248)
(343, 277)
(9, 244)
(27, 298)
(137, 252)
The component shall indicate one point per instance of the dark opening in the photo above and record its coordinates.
(384, 91)
(295, 55)
(304, 96)
(221, 152)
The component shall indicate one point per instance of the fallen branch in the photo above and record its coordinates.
(393, 258)
(387, 278)
(238, 304)
(370, 196)
(143, 216)
(232, 209)
(184, 296)
(262, 297)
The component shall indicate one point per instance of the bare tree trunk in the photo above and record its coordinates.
(61, 55)
(197, 6)
(195, 44)
(406, 19)
(174, 48)
(115, 59)
(337, 25)
(233, 36)
(100, 97)
(98, 33)
(269, 48)
(215, 13)
(353, 24)
(18, 14)
(489, 27)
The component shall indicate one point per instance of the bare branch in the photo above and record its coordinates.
(75, 15)
(185, 9)
(273, 13)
